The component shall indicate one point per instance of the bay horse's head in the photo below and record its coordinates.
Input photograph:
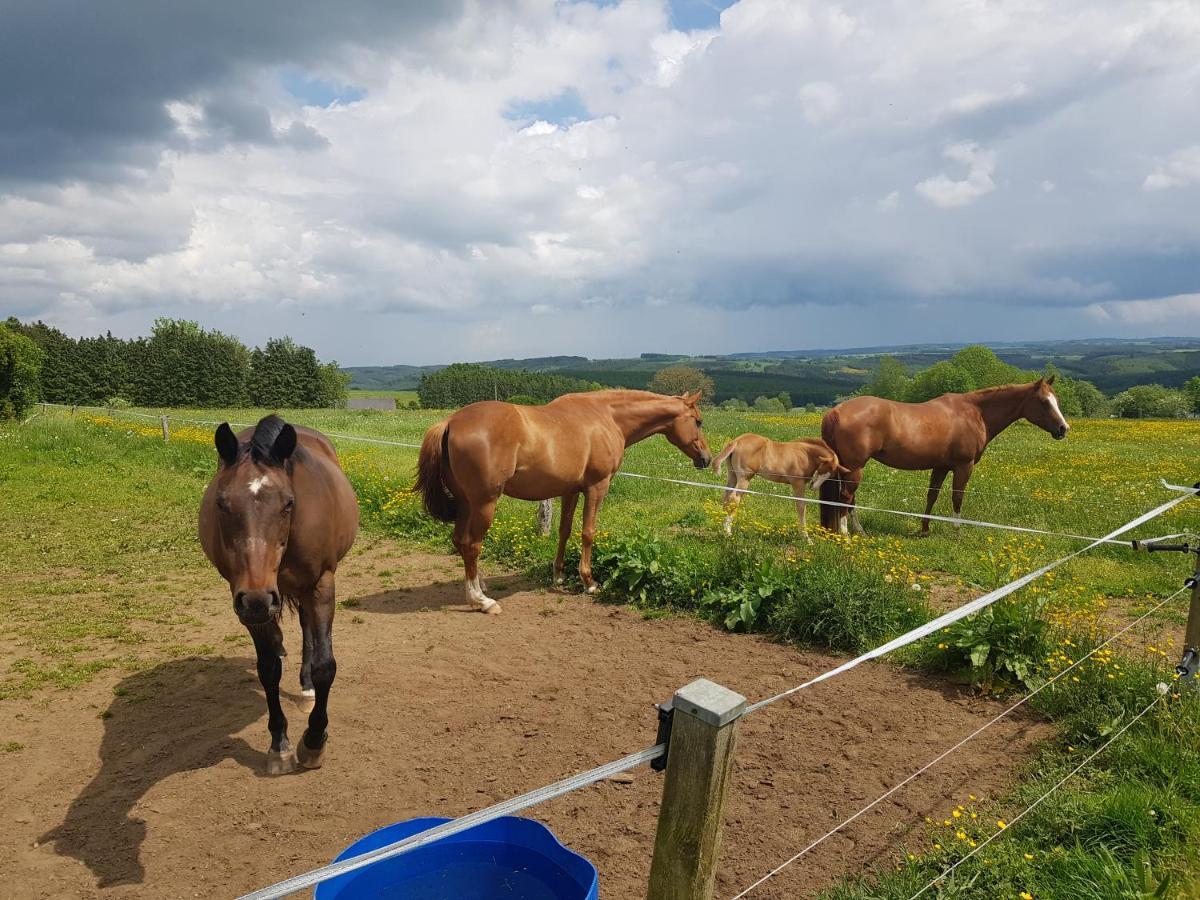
(250, 502)
(684, 431)
(1041, 408)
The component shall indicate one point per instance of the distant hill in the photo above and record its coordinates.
(823, 376)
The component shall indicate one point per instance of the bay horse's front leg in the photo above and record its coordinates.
(566, 522)
(592, 498)
(268, 641)
(935, 486)
(323, 669)
(308, 695)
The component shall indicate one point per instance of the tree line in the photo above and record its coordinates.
(179, 364)
(978, 366)
(463, 383)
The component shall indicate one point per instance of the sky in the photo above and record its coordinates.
(416, 182)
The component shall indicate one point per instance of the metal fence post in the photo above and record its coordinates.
(1189, 666)
(700, 757)
(166, 428)
(544, 514)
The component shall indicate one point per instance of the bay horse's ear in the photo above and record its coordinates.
(1050, 380)
(285, 443)
(227, 444)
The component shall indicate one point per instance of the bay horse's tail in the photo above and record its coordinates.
(724, 455)
(431, 469)
(831, 489)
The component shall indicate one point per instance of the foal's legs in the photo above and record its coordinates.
(268, 641)
(962, 474)
(592, 499)
(935, 487)
(738, 478)
(307, 694)
(799, 488)
(566, 521)
(323, 668)
(477, 522)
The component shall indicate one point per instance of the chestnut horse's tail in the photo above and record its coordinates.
(831, 488)
(724, 455)
(431, 469)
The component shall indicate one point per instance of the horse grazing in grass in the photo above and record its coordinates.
(946, 434)
(803, 463)
(275, 520)
(572, 446)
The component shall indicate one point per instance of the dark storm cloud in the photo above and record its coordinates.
(83, 84)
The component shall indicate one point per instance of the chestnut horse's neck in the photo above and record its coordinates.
(999, 407)
(640, 414)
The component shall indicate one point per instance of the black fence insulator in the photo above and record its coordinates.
(666, 712)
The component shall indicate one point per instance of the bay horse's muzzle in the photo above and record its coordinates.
(1061, 431)
(703, 461)
(257, 607)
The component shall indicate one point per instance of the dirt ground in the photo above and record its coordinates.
(153, 784)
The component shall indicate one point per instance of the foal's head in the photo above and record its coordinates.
(253, 498)
(684, 431)
(1041, 408)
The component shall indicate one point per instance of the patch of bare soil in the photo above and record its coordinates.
(153, 785)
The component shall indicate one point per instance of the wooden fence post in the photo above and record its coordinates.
(544, 514)
(703, 730)
(166, 430)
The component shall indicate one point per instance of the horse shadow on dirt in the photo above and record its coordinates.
(441, 595)
(176, 717)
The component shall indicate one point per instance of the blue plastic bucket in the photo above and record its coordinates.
(506, 859)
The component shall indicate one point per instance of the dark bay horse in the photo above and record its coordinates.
(275, 520)
(571, 446)
(946, 434)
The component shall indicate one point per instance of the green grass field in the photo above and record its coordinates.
(93, 501)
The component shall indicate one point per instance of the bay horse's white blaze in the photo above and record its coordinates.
(257, 484)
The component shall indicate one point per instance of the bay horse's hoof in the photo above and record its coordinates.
(493, 609)
(308, 700)
(593, 588)
(281, 762)
(310, 759)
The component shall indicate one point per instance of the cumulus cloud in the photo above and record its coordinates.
(1183, 168)
(526, 173)
(946, 192)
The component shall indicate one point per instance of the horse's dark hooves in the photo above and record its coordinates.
(281, 762)
(310, 759)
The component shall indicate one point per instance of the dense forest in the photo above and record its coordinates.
(822, 377)
(464, 383)
(179, 364)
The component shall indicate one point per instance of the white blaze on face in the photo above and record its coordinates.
(1058, 412)
(819, 480)
(257, 484)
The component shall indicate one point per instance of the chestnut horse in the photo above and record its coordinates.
(275, 520)
(571, 446)
(946, 434)
(805, 463)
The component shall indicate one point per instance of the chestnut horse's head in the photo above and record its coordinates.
(684, 431)
(1041, 408)
(249, 505)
